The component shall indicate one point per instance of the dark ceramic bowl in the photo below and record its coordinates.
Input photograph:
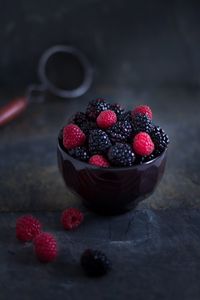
(110, 190)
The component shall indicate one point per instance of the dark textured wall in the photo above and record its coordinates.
(130, 42)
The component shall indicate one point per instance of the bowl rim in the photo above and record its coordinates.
(120, 169)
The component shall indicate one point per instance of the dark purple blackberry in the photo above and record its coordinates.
(81, 120)
(141, 123)
(79, 153)
(160, 140)
(95, 107)
(126, 116)
(121, 155)
(118, 109)
(120, 132)
(98, 141)
(95, 263)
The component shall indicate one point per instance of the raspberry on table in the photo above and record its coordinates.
(121, 132)
(160, 139)
(71, 218)
(143, 110)
(121, 155)
(80, 153)
(95, 107)
(95, 263)
(141, 123)
(27, 227)
(46, 248)
(99, 161)
(73, 136)
(143, 144)
(98, 142)
(106, 119)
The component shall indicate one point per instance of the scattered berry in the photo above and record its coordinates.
(118, 109)
(143, 144)
(73, 136)
(95, 263)
(71, 218)
(45, 247)
(80, 153)
(121, 155)
(106, 119)
(27, 227)
(143, 110)
(95, 107)
(98, 142)
(99, 160)
(141, 123)
(160, 139)
(121, 132)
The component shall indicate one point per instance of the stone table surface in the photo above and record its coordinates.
(155, 249)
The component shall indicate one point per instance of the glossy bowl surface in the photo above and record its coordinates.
(110, 191)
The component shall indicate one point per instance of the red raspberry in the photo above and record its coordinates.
(27, 227)
(71, 218)
(99, 161)
(45, 247)
(144, 110)
(73, 136)
(106, 119)
(143, 144)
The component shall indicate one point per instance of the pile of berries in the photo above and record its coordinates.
(108, 136)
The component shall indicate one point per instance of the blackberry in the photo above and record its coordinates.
(81, 120)
(121, 155)
(126, 116)
(118, 109)
(120, 132)
(95, 107)
(95, 263)
(79, 153)
(98, 141)
(141, 123)
(160, 140)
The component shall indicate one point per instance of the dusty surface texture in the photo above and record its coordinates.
(155, 255)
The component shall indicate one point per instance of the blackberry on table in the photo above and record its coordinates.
(120, 132)
(118, 109)
(95, 263)
(160, 139)
(95, 107)
(141, 123)
(98, 142)
(80, 153)
(121, 155)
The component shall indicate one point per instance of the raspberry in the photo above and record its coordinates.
(106, 119)
(73, 136)
(99, 160)
(118, 109)
(121, 155)
(121, 132)
(95, 107)
(160, 139)
(98, 142)
(45, 247)
(143, 110)
(141, 123)
(79, 153)
(95, 263)
(27, 227)
(143, 144)
(71, 218)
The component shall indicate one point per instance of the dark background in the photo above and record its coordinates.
(142, 52)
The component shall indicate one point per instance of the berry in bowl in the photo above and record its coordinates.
(110, 157)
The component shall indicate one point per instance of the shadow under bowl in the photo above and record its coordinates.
(110, 191)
